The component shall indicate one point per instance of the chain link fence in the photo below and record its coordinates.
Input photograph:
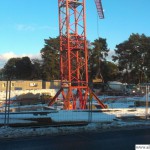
(30, 108)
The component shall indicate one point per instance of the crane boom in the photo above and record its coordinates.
(99, 8)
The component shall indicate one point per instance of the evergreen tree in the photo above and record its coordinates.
(51, 59)
(97, 53)
(133, 58)
(18, 68)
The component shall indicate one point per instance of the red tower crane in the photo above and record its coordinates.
(74, 54)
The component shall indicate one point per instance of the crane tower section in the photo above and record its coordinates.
(73, 56)
(73, 46)
(73, 51)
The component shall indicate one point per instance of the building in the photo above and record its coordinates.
(30, 85)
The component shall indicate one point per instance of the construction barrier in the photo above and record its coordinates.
(31, 108)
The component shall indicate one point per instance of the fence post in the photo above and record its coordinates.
(90, 107)
(9, 102)
(6, 103)
(147, 101)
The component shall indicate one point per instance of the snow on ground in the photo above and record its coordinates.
(120, 105)
(66, 116)
(109, 118)
(7, 132)
(61, 116)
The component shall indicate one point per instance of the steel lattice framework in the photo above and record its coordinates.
(73, 55)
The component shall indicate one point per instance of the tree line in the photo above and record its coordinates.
(130, 63)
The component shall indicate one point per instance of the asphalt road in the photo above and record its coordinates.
(112, 140)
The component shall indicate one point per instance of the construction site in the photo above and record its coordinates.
(71, 101)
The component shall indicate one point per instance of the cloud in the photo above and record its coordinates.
(110, 54)
(25, 27)
(6, 56)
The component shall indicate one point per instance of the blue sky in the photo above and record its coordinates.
(24, 24)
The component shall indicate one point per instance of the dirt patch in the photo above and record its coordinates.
(131, 110)
(43, 122)
(132, 118)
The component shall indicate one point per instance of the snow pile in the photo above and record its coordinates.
(15, 93)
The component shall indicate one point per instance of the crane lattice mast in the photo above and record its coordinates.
(73, 55)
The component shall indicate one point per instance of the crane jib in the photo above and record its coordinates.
(99, 8)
